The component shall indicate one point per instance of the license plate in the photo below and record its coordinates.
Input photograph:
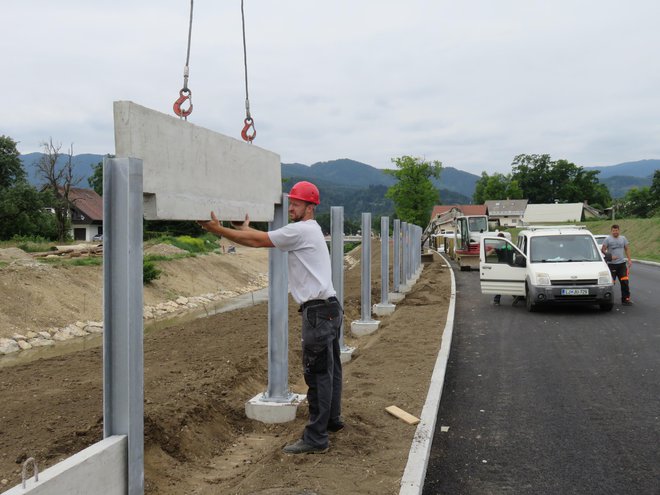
(575, 292)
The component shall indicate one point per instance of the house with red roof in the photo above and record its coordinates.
(86, 214)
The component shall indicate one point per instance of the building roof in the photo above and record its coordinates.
(88, 202)
(553, 212)
(464, 209)
(510, 207)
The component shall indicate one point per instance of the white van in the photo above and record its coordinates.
(550, 264)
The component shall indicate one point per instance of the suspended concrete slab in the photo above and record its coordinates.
(190, 171)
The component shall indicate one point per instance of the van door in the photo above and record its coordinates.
(502, 267)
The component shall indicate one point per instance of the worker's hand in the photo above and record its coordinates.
(244, 225)
(210, 225)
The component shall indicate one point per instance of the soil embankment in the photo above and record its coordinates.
(198, 377)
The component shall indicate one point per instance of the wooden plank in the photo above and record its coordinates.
(403, 415)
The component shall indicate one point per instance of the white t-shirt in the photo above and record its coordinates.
(310, 273)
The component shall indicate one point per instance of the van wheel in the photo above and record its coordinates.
(606, 306)
(531, 307)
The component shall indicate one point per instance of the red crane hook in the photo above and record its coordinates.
(184, 94)
(248, 138)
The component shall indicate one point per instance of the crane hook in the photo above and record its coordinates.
(248, 138)
(184, 94)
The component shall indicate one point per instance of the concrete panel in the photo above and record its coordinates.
(100, 469)
(190, 170)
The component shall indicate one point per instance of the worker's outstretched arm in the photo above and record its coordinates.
(246, 236)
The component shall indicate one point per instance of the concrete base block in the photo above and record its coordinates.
(395, 297)
(360, 328)
(405, 288)
(381, 309)
(346, 354)
(261, 409)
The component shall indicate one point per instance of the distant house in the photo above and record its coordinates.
(86, 213)
(440, 210)
(554, 212)
(508, 212)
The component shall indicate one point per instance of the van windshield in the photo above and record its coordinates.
(563, 248)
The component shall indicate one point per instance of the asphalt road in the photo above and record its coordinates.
(563, 401)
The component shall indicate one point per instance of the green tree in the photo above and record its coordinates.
(638, 202)
(543, 180)
(95, 180)
(21, 205)
(496, 186)
(655, 191)
(11, 168)
(414, 194)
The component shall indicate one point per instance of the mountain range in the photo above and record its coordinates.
(361, 187)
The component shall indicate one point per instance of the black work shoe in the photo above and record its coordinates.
(335, 426)
(302, 447)
(627, 302)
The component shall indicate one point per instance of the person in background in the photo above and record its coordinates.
(310, 283)
(618, 248)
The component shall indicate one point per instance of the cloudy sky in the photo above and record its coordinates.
(470, 83)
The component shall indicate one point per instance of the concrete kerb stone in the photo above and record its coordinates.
(412, 482)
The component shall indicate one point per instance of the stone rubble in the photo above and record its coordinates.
(180, 304)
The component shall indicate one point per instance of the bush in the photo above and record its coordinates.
(149, 272)
(32, 244)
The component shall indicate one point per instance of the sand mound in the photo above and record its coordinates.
(164, 249)
(13, 253)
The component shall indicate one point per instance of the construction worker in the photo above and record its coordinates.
(310, 283)
(615, 246)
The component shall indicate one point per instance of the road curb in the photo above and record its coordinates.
(412, 482)
(644, 262)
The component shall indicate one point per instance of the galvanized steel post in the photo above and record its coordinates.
(123, 356)
(396, 267)
(384, 259)
(278, 313)
(365, 262)
(366, 324)
(337, 261)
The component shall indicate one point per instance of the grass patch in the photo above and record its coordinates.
(87, 261)
(193, 245)
(167, 257)
(29, 244)
(3, 264)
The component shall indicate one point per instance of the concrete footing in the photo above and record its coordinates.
(381, 309)
(395, 297)
(405, 288)
(346, 354)
(261, 409)
(361, 328)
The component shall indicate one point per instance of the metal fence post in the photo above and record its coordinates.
(278, 313)
(366, 324)
(123, 356)
(384, 307)
(337, 260)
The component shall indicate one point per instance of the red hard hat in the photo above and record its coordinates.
(305, 191)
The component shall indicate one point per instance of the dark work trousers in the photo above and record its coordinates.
(620, 271)
(322, 369)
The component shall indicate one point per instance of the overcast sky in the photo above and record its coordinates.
(469, 83)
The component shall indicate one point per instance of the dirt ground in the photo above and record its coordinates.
(198, 377)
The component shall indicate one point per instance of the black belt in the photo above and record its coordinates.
(317, 302)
